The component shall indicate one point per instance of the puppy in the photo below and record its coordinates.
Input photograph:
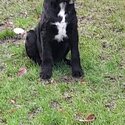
(55, 35)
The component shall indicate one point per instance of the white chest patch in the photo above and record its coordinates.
(61, 26)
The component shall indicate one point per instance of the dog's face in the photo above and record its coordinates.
(56, 3)
(60, 1)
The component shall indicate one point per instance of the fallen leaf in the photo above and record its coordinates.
(13, 101)
(22, 71)
(88, 119)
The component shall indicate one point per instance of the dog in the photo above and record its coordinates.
(55, 35)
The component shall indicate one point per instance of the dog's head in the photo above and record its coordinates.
(67, 1)
(59, 1)
(55, 3)
(54, 8)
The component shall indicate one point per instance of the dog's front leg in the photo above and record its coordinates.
(75, 58)
(47, 60)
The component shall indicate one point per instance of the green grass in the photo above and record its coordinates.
(28, 101)
(6, 33)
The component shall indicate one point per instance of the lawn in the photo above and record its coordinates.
(64, 100)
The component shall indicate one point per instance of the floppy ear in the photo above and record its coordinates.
(71, 1)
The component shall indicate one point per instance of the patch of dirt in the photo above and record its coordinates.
(69, 79)
(122, 62)
(113, 78)
(105, 44)
(2, 67)
(15, 39)
(103, 56)
(34, 111)
(64, 79)
(111, 105)
(55, 105)
(67, 96)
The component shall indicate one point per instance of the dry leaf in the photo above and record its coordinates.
(13, 101)
(88, 119)
(22, 71)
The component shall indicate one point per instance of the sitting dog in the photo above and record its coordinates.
(55, 35)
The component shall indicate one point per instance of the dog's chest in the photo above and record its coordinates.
(62, 25)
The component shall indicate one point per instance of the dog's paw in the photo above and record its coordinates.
(45, 75)
(77, 73)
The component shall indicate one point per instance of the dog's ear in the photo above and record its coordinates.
(71, 1)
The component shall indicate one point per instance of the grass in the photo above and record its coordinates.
(7, 33)
(28, 101)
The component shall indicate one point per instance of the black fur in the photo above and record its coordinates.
(44, 49)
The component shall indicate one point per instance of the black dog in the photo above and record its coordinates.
(54, 36)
